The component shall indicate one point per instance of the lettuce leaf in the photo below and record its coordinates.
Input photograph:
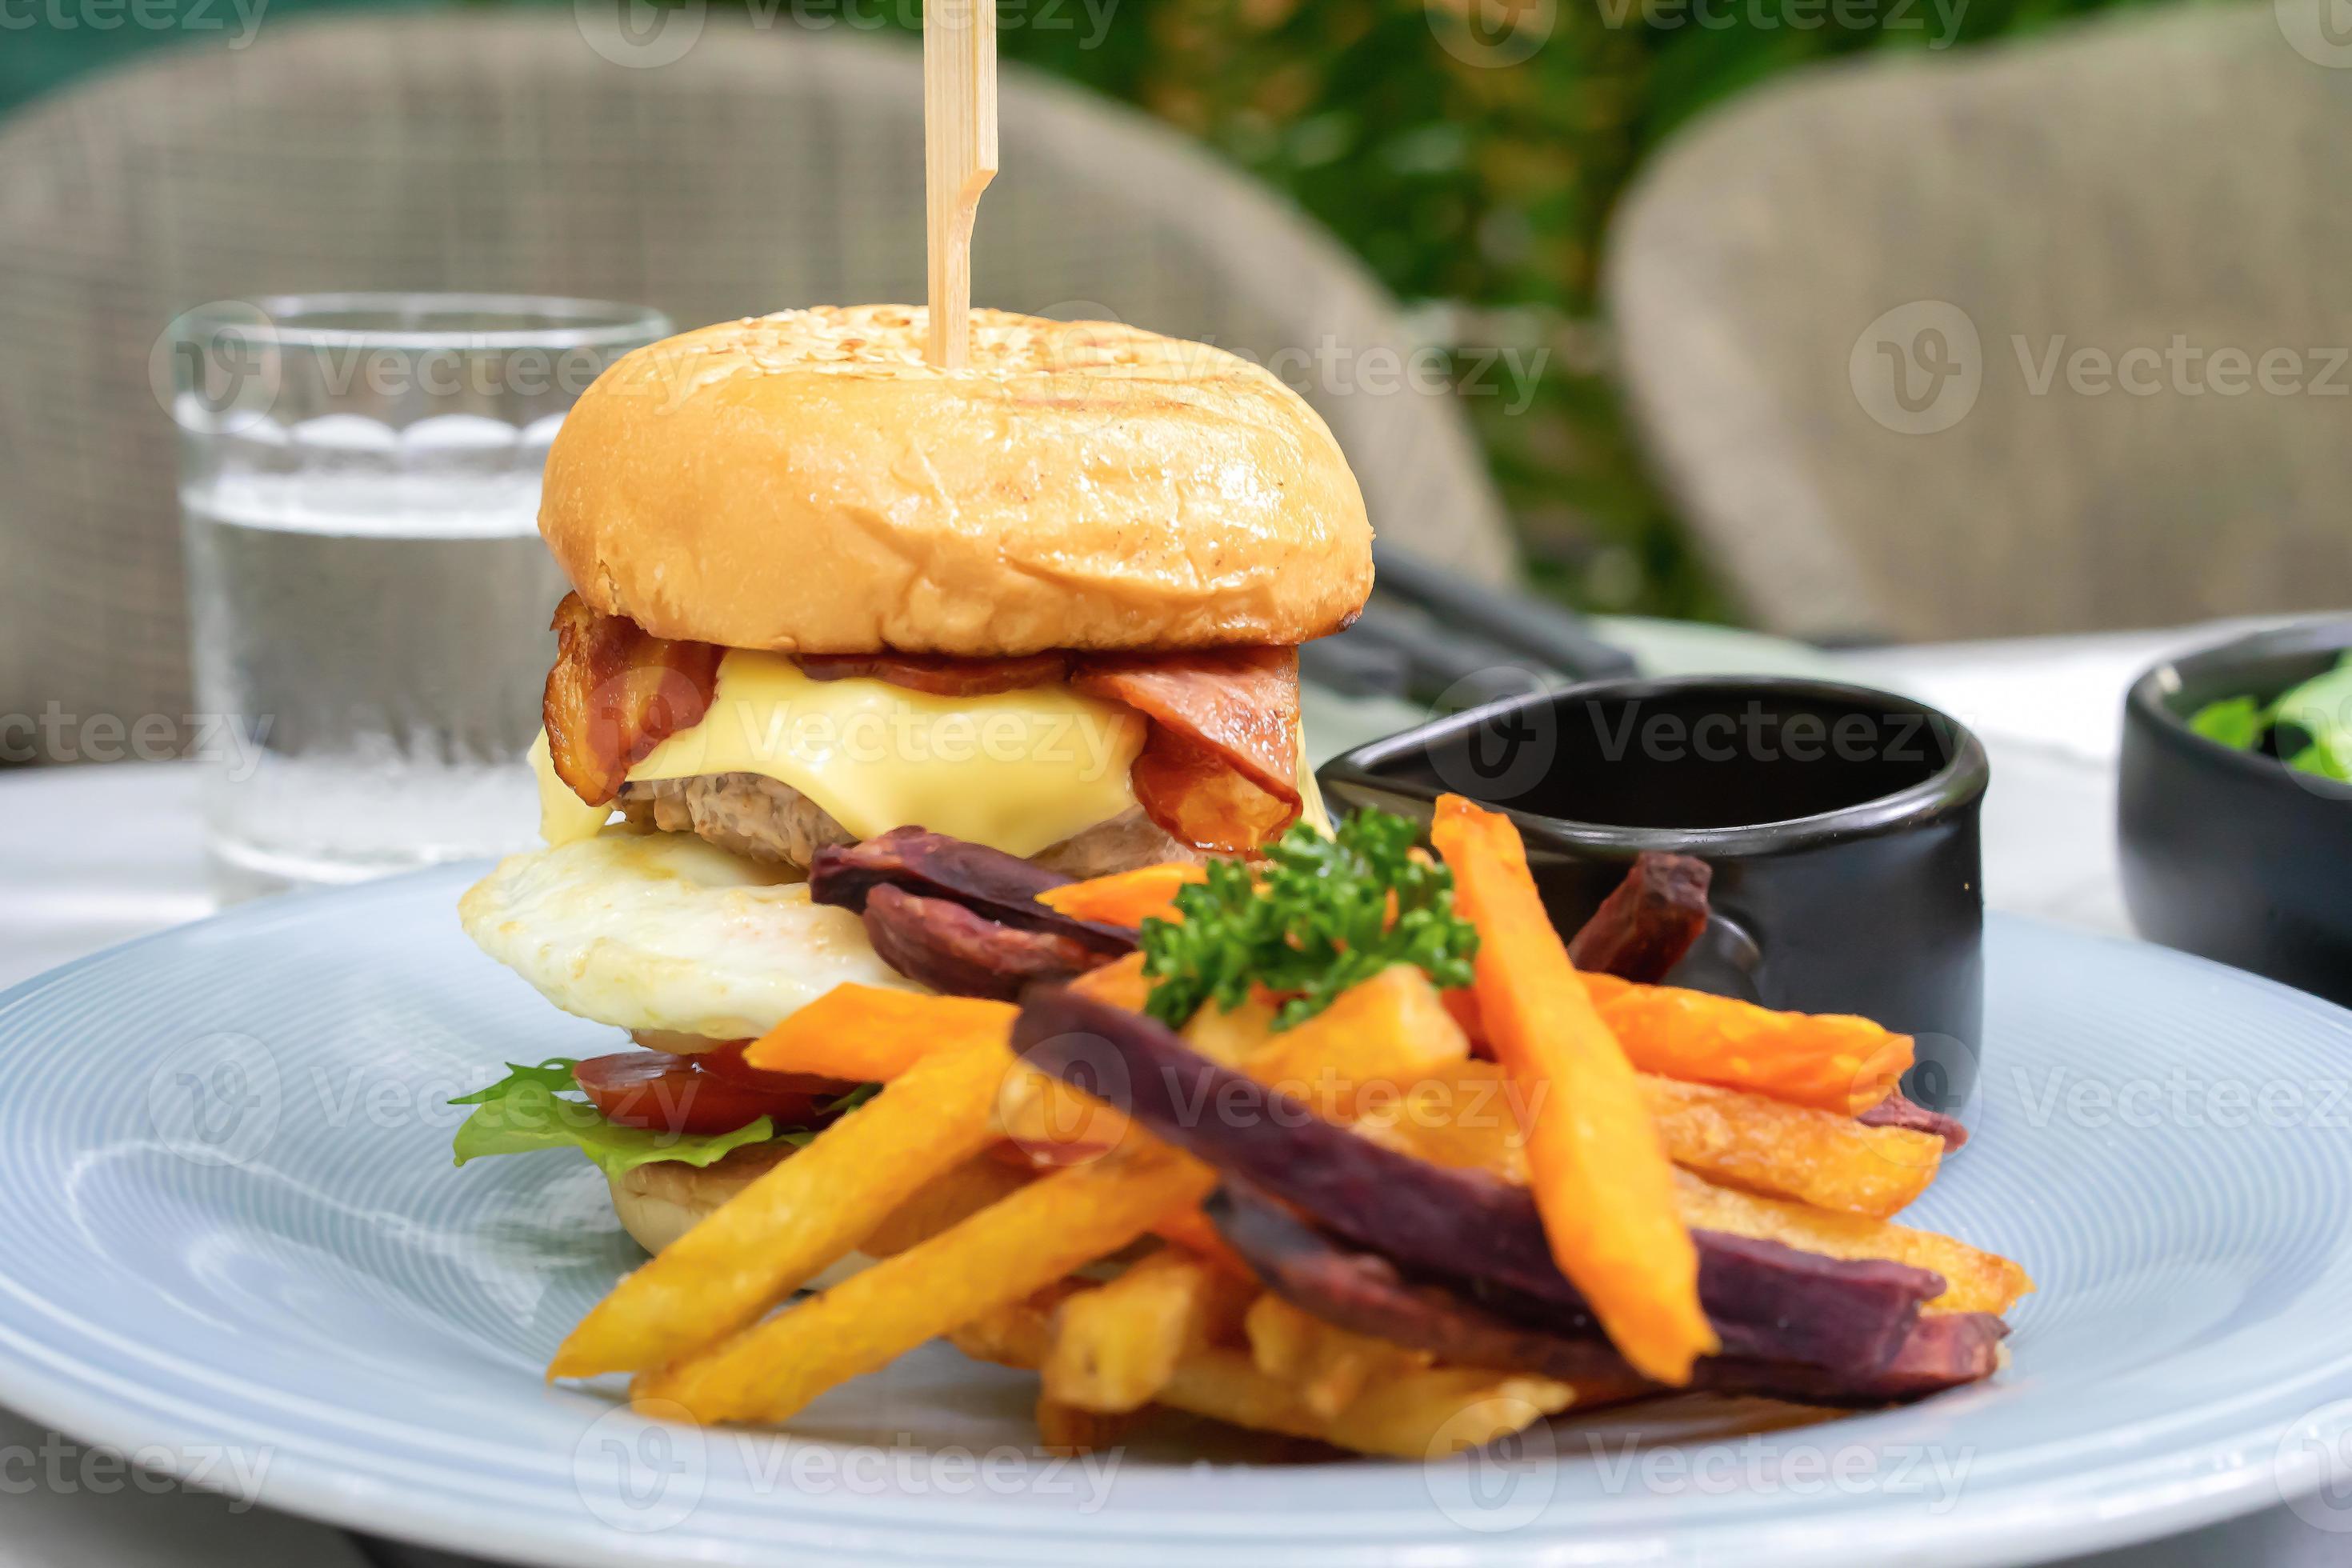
(530, 1110)
(2310, 728)
(2322, 708)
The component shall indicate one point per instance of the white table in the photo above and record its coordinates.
(92, 856)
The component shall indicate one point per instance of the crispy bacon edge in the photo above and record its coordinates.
(1218, 770)
(614, 693)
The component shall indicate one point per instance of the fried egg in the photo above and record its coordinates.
(664, 933)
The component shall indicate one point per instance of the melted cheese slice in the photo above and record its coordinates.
(1019, 771)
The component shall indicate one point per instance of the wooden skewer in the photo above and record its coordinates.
(958, 159)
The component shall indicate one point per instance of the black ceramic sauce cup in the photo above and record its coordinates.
(1840, 823)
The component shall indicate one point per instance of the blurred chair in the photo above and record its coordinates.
(767, 168)
(2148, 177)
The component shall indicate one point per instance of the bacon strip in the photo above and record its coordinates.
(942, 675)
(1643, 927)
(1220, 769)
(615, 693)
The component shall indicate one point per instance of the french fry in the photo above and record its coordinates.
(1377, 1037)
(772, 1370)
(1115, 1345)
(784, 1228)
(1767, 1145)
(1830, 1061)
(1126, 898)
(1422, 1415)
(1329, 1366)
(1392, 1029)
(955, 1197)
(1120, 983)
(1066, 1429)
(1599, 1171)
(1418, 1414)
(1974, 1280)
(1015, 1334)
(871, 1034)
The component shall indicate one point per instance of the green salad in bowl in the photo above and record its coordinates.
(2309, 726)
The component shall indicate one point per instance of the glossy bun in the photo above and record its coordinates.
(803, 482)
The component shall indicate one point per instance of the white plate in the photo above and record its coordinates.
(234, 1243)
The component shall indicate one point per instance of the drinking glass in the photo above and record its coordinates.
(369, 597)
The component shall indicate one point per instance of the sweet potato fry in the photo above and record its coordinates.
(1232, 1038)
(869, 1034)
(1600, 1174)
(1643, 926)
(1126, 898)
(1818, 1157)
(1974, 1280)
(1465, 1116)
(786, 1227)
(1828, 1060)
(770, 1371)
(1391, 1029)
(1115, 1346)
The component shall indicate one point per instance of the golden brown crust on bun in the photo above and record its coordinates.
(803, 482)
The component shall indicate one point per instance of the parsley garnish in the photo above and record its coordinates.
(1310, 921)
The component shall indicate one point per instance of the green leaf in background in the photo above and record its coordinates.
(524, 1112)
(2234, 722)
(2321, 708)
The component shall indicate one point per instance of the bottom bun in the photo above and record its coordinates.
(661, 1202)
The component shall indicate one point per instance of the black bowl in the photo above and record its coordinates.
(1840, 823)
(2232, 854)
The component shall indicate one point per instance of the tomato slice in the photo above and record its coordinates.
(727, 1061)
(664, 1093)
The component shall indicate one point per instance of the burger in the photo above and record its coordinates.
(1048, 605)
